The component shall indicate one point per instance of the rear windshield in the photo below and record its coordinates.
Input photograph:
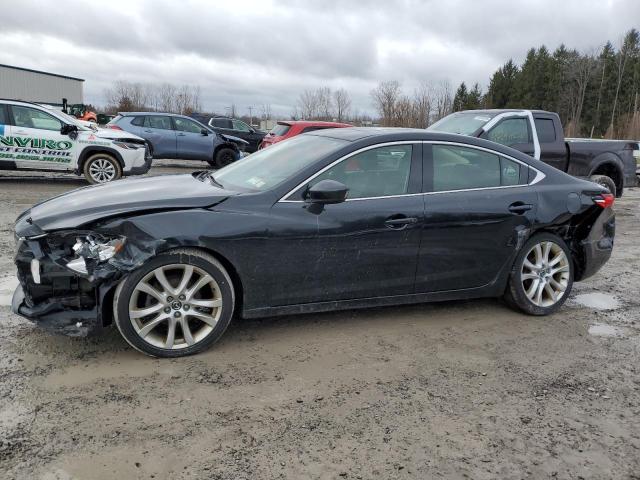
(463, 123)
(280, 129)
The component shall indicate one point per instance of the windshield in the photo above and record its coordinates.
(463, 123)
(70, 120)
(267, 168)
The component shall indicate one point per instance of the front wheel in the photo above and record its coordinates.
(176, 304)
(542, 275)
(101, 168)
(224, 157)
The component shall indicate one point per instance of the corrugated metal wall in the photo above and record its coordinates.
(19, 84)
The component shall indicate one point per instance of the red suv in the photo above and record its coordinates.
(288, 129)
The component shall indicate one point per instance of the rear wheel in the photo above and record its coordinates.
(606, 182)
(542, 275)
(101, 168)
(176, 304)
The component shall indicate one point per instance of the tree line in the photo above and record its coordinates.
(126, 96)
(596, 93)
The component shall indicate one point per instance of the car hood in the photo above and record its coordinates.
(111, 134)
(231, 138)
(80, 207)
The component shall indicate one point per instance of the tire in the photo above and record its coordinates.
(519, 289)
(101, 168)
(224, 157)
(606, 182)
(206, 311)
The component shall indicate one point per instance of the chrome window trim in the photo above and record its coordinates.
(539, 175)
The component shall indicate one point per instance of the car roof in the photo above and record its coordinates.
(21, 102)
(164, 114)
(313, 123)
(495, 111)
(358, 133)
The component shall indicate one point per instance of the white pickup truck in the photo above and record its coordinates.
(34, 137)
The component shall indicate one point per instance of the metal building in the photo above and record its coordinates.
(39, 87)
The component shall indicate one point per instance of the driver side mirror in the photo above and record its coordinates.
(327, 192)
(204, 132)
(67, 129)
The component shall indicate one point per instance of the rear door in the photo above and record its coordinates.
(34, 140)
(159, 131)
(192, 144)
(364, 247)
(477, 203)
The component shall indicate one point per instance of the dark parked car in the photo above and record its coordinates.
(177, 136)
(235, 127)
(334, 219)
(611, 163)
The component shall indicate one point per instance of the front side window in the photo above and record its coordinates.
(138, 121)
(156, 121)
(241, 126)
(511, 131)
(31, 118)
(461, 168)
(379, 172)
(184, 125)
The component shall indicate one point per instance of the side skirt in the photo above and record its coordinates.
(492, 290)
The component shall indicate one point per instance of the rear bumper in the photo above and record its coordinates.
(597, 247)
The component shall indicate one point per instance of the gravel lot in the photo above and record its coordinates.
(450, 390)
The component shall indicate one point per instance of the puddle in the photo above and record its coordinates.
(604, 330)
(7, 286)
(597, 301)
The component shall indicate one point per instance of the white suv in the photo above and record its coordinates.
(33, 137)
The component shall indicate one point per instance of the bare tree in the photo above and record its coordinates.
(443, 99)
(308, 104)
(266, 111)
(342, 104)
(385, 96)
(325, 103)
(422, 105)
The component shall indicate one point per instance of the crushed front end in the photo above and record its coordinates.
(66, 276)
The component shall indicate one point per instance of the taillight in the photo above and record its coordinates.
(113, 127)
(604, 200)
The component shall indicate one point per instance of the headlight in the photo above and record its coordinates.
(128, 145)
(91, 250)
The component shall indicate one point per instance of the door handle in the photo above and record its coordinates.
(520, 208)
(182, 135)
(149, 131)
(399, 222)
(21, 132)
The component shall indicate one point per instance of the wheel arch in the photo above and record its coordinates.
(87, 152)
(107, 295)
(610, 165)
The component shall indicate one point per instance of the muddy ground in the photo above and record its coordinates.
(450, 390)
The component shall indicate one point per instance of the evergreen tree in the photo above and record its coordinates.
(460, 98)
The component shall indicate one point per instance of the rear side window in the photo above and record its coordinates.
(545, 130)
(157, 121)
(461, 168)
(511, 131)
(220, 123)
(280, 129)
(138, 121)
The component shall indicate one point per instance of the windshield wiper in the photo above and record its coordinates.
(211, 178)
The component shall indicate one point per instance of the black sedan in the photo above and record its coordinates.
(334, 219)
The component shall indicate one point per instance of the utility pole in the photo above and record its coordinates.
(250, 116)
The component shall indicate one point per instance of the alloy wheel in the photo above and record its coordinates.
(545, 274)
(102, 170)
(175, 306)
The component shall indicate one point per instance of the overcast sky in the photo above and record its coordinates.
(257, 52)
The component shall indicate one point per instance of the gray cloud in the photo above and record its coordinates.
(255, 52)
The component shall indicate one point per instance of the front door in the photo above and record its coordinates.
(34, 140)
(158, 131)
(364, 247)
(192, 142)
(476, 205)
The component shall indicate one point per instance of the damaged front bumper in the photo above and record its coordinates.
(60, 297)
